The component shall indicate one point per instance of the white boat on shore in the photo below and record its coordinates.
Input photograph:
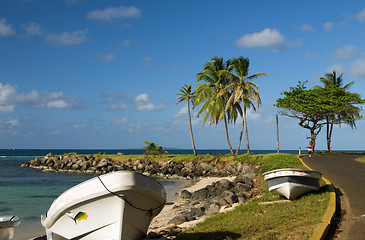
(118, 205)
(7, 225)
(292, 182)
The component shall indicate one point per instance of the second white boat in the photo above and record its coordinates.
(292, 182)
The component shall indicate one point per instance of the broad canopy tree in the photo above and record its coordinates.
(313, 106)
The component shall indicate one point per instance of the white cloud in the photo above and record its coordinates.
(67, 39)
(57, 103)
(56, 100)
(115, 107)
(50, 129)
(181, 118)
(7, 108)
(106, 57)
(358, 68)
(307, 28)
(10, 98)
(252, 115)
(346, 52)
(361, 15)
(138, 127)
(149, 62)
(268, 38)
(5, 29)
(121, 121)
(339, 68)
(143, 103)
(113, 13)
(9, 123)
(112, 99)
(79, 126)
(32, 29)
(182, 112)
(328, 26)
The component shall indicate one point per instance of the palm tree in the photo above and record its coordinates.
(187, 95)
(208, 92)
(243, 90)
(333, 82)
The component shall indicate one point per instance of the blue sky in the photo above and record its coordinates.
(105, 74)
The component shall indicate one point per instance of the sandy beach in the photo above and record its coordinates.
(172, 210)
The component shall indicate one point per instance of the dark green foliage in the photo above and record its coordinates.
(153, 149)
(314, 106)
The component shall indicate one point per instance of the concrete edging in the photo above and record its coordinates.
(322, 228)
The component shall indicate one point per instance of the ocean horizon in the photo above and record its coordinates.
(139, 151)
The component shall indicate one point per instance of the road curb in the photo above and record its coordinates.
(322, 228)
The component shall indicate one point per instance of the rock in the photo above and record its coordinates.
(212, 209)
(198, 212)
(239, 167)
(153, 235)
(185, 194)
(223, 202)
(242, 198)
(231, 169)
(224, 184)
(200, 194)
(230, 197)
(177, 220)
(102, 163)
(207, 166)
(75, 166)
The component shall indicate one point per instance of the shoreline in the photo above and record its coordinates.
(170, 211)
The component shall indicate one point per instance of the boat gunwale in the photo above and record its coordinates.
(52, 214)
(292, 169)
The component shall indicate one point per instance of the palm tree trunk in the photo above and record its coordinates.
(229, 143)
(329, 138)
(277, 134)
(239, 141)
(328, 134)
(245, 122)
(241, 133)
(191, 130)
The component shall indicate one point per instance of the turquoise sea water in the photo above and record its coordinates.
(28, 193)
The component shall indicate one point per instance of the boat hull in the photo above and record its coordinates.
(119, 205)
(7, 225)
(292, 183)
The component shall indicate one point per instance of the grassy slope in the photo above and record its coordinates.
(285, 220)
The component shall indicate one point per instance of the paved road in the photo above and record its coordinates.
(348, 176)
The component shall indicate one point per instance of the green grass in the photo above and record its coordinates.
(361, 159)
(294, 219)
(264, 162)
(268, 162)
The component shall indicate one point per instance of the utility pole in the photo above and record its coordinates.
(277, 133)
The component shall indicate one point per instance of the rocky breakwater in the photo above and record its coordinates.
(195, 206)
(170, 169)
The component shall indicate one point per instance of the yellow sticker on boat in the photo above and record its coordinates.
(80, 216)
